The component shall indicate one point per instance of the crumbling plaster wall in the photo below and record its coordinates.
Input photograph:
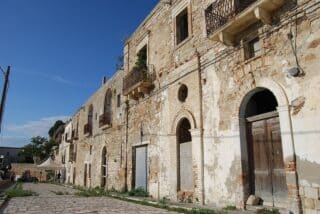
(226, 79)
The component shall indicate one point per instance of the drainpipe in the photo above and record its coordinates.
(126, 146)
(201, 125)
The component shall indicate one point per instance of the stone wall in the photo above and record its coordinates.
(219, 79)
(20, 168)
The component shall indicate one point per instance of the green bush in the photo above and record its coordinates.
(268, 211)
(205, 211)
(230, 207)
(139, 192)
(18, 191)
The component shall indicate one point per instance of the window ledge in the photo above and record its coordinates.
(106, 126)
(178, 46)
(247, 61)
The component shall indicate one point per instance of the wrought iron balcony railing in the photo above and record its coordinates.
(138, 77)
(221, 11)
(87, 129)
(105, 119)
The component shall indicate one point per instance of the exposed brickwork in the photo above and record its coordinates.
(218, 79)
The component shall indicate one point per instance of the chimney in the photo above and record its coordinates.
(104, 80)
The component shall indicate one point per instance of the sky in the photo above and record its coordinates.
(59, 51)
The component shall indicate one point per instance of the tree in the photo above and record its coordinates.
(55, 127)
(36, 148)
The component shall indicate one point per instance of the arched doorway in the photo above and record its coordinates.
(261, 147)
(184, 156)
(104, 167)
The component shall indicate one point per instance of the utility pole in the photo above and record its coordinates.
(4, 95)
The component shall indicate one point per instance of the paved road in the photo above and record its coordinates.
(48, 203)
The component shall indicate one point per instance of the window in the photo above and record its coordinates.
(90, 115)
(118, 100)
(183, 93)
(142, 58)
(90, 149)
(108, 102)
(182, 26)
(252, 48)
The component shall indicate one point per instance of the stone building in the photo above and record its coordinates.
(217, 101)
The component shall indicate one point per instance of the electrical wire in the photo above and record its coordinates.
(229, 51)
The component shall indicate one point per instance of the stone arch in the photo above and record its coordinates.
(269, 84)
(180, 115)
(286, 132)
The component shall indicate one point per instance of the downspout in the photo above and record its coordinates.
(201, 125)
(127, 122)
(126, 146)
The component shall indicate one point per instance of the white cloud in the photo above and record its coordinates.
(55, 78)
(21, 133)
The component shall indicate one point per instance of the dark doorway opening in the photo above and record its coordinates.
(184, 157)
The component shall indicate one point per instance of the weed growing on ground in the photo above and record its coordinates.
(268, 211)
(139, 192)
(230, 208)
(18, 191)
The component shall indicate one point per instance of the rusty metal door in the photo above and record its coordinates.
(269, 174)
(141, 167)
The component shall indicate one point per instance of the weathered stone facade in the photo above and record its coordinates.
(221, 82)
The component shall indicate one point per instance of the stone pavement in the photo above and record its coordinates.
(48, 203)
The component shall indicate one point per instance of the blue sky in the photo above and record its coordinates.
(59, 51)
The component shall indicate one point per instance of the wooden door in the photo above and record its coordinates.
(279, 184)
(268, 166)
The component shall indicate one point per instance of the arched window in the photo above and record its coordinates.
(104, 167)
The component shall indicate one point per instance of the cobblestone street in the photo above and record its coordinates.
(49, 202)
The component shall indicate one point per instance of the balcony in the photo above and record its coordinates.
(105, 120)
(138, 82)
(87, 130)
(226, 18)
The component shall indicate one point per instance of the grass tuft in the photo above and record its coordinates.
(268, 211)
(18, 191)
(139, 192)
(230, 208)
